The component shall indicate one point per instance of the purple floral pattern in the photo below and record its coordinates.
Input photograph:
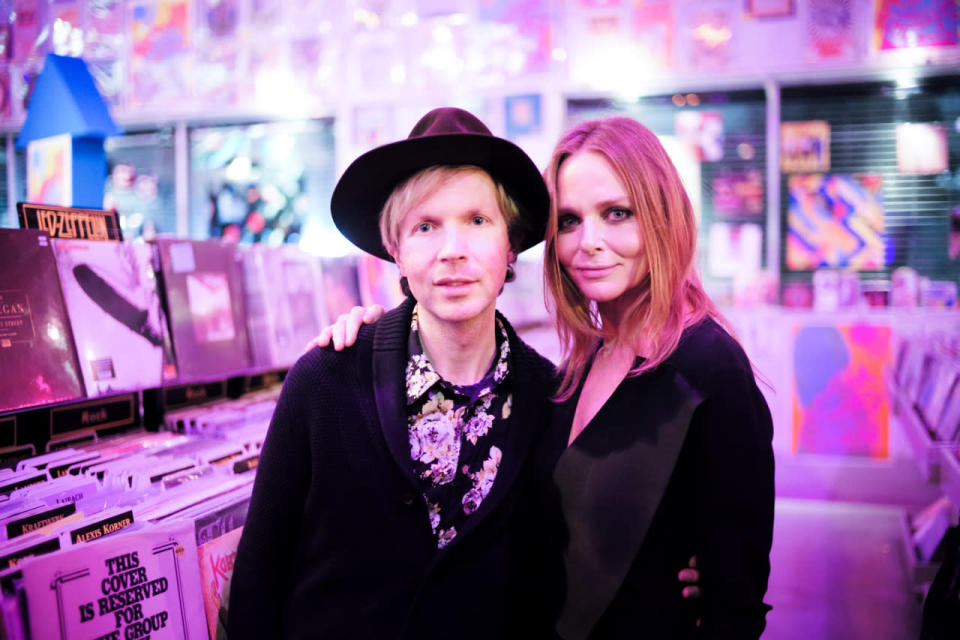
(453, 434)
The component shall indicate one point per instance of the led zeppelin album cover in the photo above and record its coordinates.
(205, 304)
(115, 313)
(38, 363)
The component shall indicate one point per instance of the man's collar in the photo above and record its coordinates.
(421, 374)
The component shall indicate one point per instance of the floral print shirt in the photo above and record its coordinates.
(456, 434)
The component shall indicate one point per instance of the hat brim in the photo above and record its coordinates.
(370, 179)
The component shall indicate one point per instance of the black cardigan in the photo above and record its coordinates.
(337, 542)
(677, 462)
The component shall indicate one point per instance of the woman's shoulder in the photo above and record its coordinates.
(707, 350)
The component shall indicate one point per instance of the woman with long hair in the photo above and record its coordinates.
(661, 448)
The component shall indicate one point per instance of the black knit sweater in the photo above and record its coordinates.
(338, 544)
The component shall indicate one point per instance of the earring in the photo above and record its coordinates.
(405, 287)
(511, 274)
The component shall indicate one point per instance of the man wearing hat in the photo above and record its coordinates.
(386, 499)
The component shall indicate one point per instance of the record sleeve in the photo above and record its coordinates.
(260, 315)
(205, 305)
(216, 571)
(111, 295)
(38, 364)
(304, 309)
(140, 584)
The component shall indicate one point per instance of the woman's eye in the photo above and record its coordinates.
(423, 227)
(619, 214)
(478, 220)
(567, 221)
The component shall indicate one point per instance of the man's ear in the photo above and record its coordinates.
(396, 260)
(511, 257)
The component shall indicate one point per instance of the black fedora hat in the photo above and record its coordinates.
(445, 136)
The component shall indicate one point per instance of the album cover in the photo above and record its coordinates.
(216, 570)
(140, 583)
(260, 312)
(204, 294)
(38, 364)
(111, 295)
(302, 288)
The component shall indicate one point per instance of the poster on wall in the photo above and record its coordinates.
(734, 249)
(840, 404)
(27, 27)
(711, 34)
(922, 148)
(103, 22)
(738, 194)
(904, 24)
(805, 146)
(653, 33)
(159, 48)
(50, 170)
(703, 131)
(521, 29)
(830, 33)
(522, 114)
(835, 220)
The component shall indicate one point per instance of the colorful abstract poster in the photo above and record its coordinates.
(840, 404)
(522, 114)
(702, 130)
(901, 24)
(738, 194)
(50, 170)
(835, 221)
(830, 34)
(653, 33)
(160, 29)
(922, 148)
(805, 146)
(159, 47)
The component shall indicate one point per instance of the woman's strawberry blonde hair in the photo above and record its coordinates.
(670, 295)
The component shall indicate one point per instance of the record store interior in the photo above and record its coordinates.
(168, 253)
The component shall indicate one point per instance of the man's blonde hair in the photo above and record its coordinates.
(417, 187)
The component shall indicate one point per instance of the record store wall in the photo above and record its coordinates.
(187, 79)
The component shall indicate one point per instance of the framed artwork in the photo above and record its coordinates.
(835, 220)
(805, 146)
(769, 8)
(522, 114)
(922, 148)
(840, 405)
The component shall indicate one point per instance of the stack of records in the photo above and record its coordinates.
(204, 292)
(38, 364)
(115, 312)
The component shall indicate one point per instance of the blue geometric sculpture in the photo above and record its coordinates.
(66, 101)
